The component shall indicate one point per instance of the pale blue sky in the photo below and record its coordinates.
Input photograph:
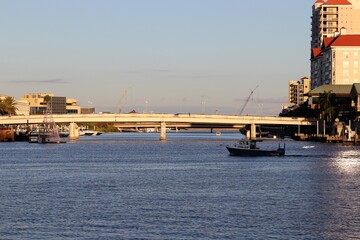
(176, 55)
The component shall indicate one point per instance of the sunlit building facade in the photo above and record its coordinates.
(298, 91)
(328, 17)
(337, 62)
(59, 105)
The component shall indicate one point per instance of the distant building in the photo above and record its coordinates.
(298, 91)
(23, 107)
(337, 61)
(36, 101)
(88, 110)
(72, 107)
(328, 17)
(59, 105)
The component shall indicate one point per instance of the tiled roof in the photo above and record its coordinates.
(316, 52)
(346, 40)
(337, 2)
(327, 41)
(320, 1)
(337, 89)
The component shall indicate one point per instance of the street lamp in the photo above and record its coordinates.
(203, 107)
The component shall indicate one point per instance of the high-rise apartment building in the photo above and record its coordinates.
(298, 91)
(337, 62)
(335, 42)
(328, 17)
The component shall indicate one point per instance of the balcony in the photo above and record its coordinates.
(330, 19)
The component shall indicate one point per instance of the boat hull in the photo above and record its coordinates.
(255, 152)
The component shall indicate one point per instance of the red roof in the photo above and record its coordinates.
(337, 2)
(327, 41)
(346, 40)
(316, 52)
(319, 1)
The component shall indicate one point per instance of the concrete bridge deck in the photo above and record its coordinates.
(171, 119)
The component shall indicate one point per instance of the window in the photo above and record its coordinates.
(346, 64)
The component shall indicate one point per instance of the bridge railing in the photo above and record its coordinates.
(140, 117)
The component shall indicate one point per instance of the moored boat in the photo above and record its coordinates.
(249, 148)
(89, 133)
(48, 131)
(33, 137)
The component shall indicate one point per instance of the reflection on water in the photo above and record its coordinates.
(341, 189)
(347, 161)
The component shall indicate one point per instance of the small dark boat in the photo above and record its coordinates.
(249, 148)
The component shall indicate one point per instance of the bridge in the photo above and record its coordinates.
(162, 121)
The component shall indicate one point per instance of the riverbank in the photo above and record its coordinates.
(328, 139)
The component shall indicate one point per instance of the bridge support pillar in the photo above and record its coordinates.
(73, 131)
(253, 131)
(162, 131)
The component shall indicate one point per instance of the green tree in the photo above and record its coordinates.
(327, 103)
(47, 98)
(8, 106)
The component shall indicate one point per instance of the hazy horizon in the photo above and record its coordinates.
(177, 56)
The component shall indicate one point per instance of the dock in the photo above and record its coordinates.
(328, 139)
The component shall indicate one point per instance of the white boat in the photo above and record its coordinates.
(89, 133)
(33, 137)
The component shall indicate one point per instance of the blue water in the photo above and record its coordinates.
(132, 186)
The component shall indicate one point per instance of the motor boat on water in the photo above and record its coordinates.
(249, 148)
(89, 133)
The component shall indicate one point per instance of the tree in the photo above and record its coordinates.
(327, 103)
(47, 99)
(8, 106)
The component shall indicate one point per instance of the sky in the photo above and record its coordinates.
(161, 56)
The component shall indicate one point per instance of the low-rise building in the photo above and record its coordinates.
(342, 100)
(72, 107)
(87, 110)
(59, 105)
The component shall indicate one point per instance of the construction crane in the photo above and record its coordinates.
(247, 100)
(121, 101)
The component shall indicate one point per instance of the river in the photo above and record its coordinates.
(132, 186)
